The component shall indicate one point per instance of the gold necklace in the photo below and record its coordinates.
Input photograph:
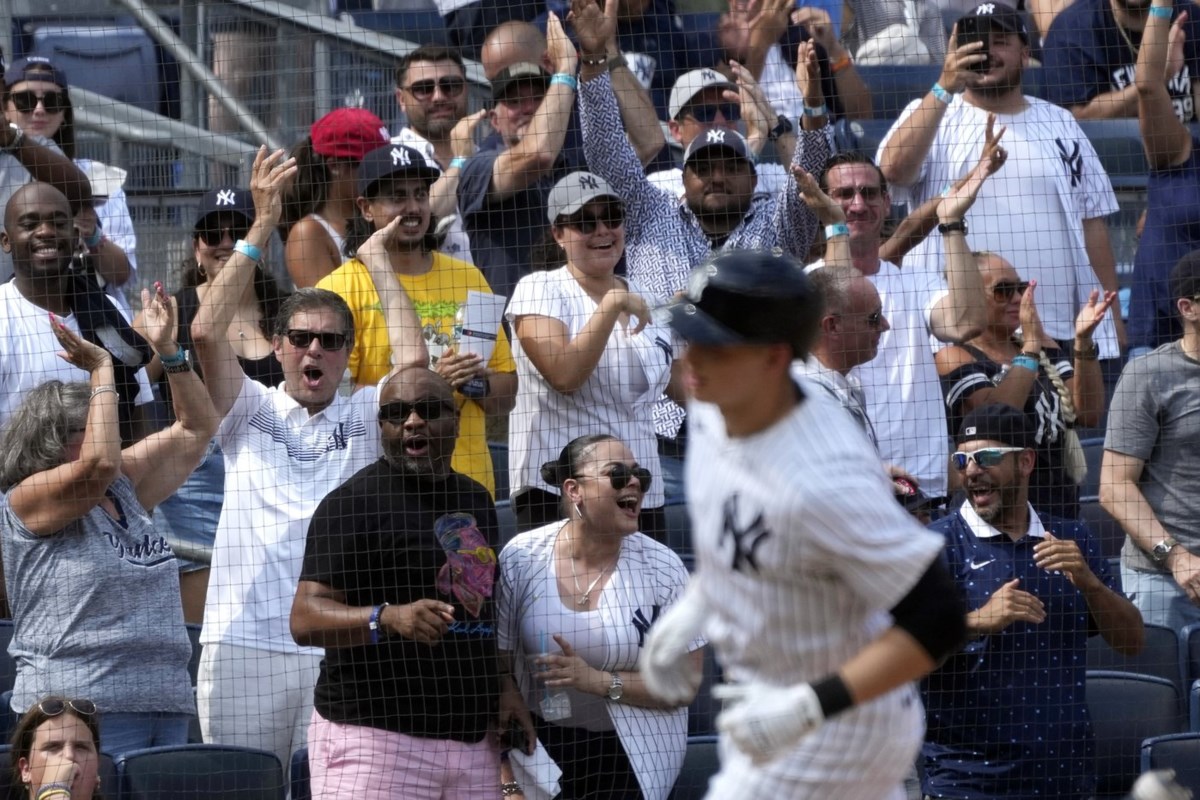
(1128, 40)
(583, 598)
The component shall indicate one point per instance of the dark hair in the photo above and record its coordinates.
(64, 137)
(266, 290)
(359, 229)
(428, 52)
(26, 730)
(850, 157)
(1185, 276)
(311, 299)
(546, 253)
(307, 191)
(566, 465)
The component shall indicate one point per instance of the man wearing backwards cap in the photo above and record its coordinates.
(1047, 212)
(823, 599)
(1007, 716)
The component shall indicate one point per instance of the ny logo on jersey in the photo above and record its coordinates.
(1073, 160)
(589, 182)
(986, 8)
(715, 135)
(642, 624)
(665, 346)
(400, 157)
(745, 539)
(226, 197)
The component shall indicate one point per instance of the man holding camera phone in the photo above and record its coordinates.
(1046, 212)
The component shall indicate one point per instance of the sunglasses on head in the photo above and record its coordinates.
(52, 101)
(613, 217)
(621, 474)
(706, 113)
(397, 412)
(984, 459)
(53, 706)
(1003, 291)
(328, 340)
(845, 194)
(214, 236)
(450, 86)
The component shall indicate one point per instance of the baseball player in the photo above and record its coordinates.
(823, 598)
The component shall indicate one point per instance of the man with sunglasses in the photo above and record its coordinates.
(1007, 715)
(411, 667)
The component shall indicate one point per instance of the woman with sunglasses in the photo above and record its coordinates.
(56, 750)
(590, 359)
(568, 591)
(93, 586)
(320, 202)
(1014, 362)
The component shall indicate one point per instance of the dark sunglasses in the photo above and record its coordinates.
(450, 86)
(397, 412)
(845, 194)
(986, 458)
(53, 102)
(874, 319)
(214, 236)
(1003, 292)
(328, 340)
(613, 217)
(706, 113)
(621, 474)
(53, 706)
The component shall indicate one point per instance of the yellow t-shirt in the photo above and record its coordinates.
(436, 296)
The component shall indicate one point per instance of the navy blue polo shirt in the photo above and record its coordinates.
(1007, 716)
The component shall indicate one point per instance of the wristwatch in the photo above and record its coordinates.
(783, 126)
(617, 690)
(1160, 551)
(951, 227)
(180, 362)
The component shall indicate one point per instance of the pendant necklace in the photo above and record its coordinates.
(586, 596)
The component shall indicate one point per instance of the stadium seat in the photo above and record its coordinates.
(896, 85)
(1107, 531)
(702, 713)
(8, 717)
(1118, 143)
(299, 778)
(499, 451)
(1160, 657)
(1093, 452)
(1125, 710)
(200, 772)
(699, 765)
(1189, 639)
(421, 27)
(8, 667)
(120, 62)
(508, 522)
(1179, 752)
(679, 529)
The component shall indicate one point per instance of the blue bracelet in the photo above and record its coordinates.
(837, 229)
(457, 161)
(1162, 12)
(248, 250)
(374, 623)
(1028, 362)
(175, 360)
(941, 94)
(815, 111)
(565, 80)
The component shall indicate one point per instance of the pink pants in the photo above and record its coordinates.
(354, 761)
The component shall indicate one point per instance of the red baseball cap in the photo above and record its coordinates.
(348, 133)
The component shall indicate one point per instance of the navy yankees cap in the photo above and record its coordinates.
(33, 68)
(998, 422)
(225, 200)
(1002, 16)
(732, 142)
(393, 159)
(748, 297)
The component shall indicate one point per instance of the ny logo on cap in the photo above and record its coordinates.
(709, 75)
(986, 8)
(970, 431)
(588, 182)
(226, 197)
(400, 157)
(716, 135)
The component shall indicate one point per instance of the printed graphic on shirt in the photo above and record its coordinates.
(470, 569)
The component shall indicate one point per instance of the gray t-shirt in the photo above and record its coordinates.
(1155, 417)
(96, 611)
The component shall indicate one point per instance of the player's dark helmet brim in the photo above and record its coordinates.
(694, 325)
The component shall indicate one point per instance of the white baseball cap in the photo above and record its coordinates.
(693, 83)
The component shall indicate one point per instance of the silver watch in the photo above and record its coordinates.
(1160, 551)
(617, 690)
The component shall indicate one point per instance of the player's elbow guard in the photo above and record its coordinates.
(933, 614)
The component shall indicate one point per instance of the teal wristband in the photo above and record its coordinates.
(457, 161)
(816, 111)
(248, 250)
(1162, 12)
(837, 229)
(941, 94)
(1028, 362)
(175, 360)
(565, 80)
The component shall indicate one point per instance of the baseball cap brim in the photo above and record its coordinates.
(694, 325)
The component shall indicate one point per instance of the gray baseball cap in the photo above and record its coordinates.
(693, 83)
(574, 191)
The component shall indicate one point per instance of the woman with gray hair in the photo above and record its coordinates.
(94, 589)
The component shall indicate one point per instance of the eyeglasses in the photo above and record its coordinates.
(53, 706)
(397, 412)
(53, 102)
(613, 217)
(214, 236)
(869, 194)
(328, 340)
(1003, 291)
(706, 113)
(986, 458)
(874, 319)
(621, 474)
(450, 86)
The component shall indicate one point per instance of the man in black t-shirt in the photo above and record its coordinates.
(397, 586)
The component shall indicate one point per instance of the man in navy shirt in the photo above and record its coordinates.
(1006, 717)
(1090, 53)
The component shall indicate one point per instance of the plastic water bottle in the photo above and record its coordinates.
(476, 387)
(555, 703)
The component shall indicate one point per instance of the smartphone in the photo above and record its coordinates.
(976, 29)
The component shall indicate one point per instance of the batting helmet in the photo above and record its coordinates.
(748, 297)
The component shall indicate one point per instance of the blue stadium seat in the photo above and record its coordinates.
(1093, 452)
(1118, 143)
(200, 772)
(1125, 710)
(299, 779)
(1194, 707)
(1106, 530)
(699, 765)
(120, 62)
(1189, 639)
(702, 713)
(896, 85)
(421, 27)
(499, 451)
(679, 529)
(8, 667)
(508, 522)
(1177, 751)
(1160, 657)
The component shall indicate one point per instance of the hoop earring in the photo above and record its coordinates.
(578, 513)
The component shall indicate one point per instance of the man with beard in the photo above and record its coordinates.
(1091, 51)
(397, 586)
(1007, 716)
(1047, 210)
(431, 90)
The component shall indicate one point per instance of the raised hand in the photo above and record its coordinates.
(1093, 313)
(962, 195)
(756, 109)
(158, 321)
(271, 174)
(1176, 40)
(1031, 322)
(820, 28)
(828, 210)
(77, 351)
(957, 73)
(595, 25)
(808, 75)
(462, 135)
(559, 48)
(1006, 606)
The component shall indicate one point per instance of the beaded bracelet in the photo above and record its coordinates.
(941, 94)
(248, 250)
(565, 80)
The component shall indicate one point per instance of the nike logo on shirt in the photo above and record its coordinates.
(980, 564)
